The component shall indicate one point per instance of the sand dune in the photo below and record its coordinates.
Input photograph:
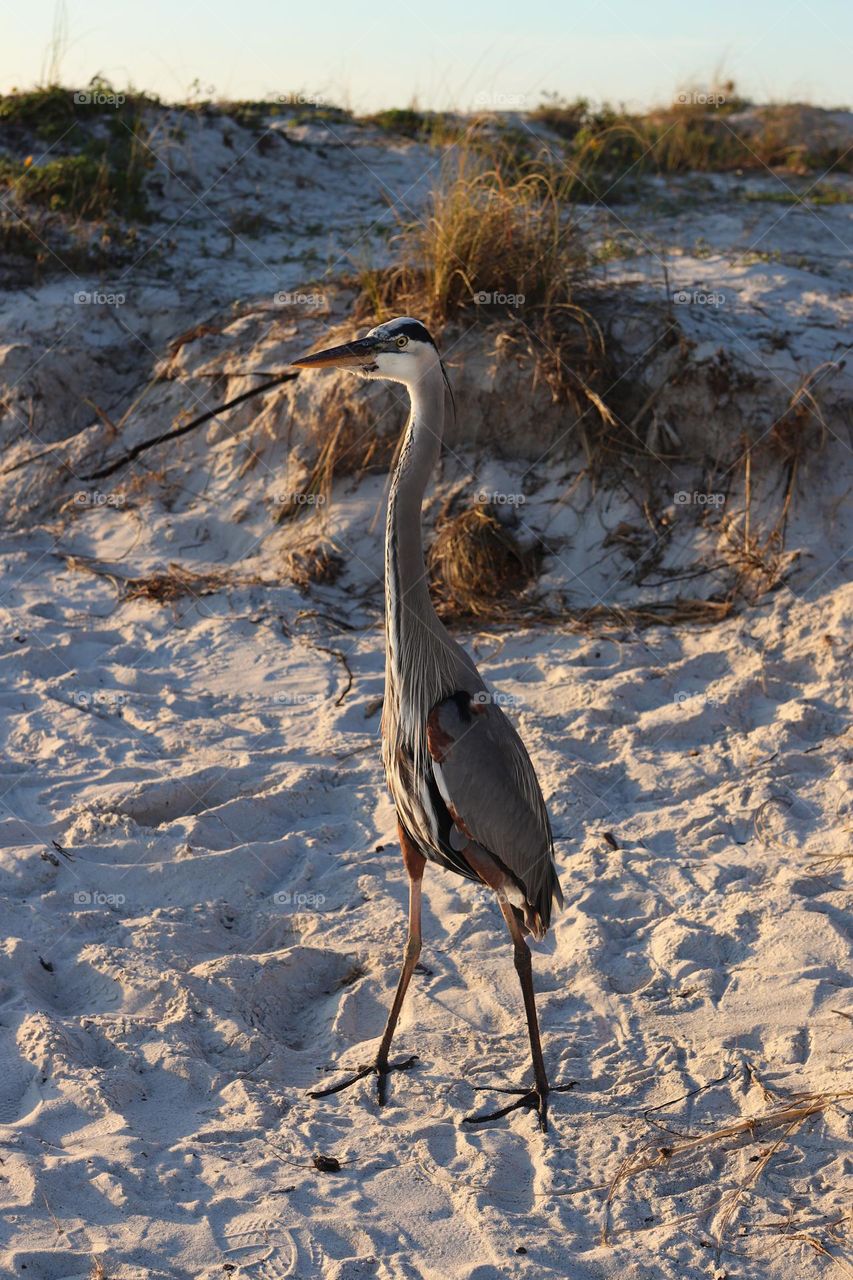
(203, 904)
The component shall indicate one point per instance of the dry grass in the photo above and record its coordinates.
(817, 1246)
(175, 583)
(665, 613)
(701, 131)
(313, 564)
(795, 438)
(478, 570)
(596, 619)
(786, 1114)
(353, 446)
(801, 432)
(497, 227)
(497, 245)
(759, 561)
(794, 136)
(844, 824)
(484, 233)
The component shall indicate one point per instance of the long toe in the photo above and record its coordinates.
(344, 1084)
(526, 1098)
(379, 1068)
(535, 1099)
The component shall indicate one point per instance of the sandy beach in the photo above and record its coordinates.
(201, 894)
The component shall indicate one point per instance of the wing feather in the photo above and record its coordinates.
(488, 782)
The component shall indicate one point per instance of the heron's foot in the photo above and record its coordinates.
(380, 1067)
(536, 1099)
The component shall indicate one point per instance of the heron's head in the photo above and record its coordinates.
(400, 350)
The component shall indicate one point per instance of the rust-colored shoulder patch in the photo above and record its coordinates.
(457, 822)
(439, 740)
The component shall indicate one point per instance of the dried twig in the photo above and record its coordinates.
(109, 468)
(341, 657)
(790, 1113)
(166, 586)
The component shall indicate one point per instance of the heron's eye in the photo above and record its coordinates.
(402, 341)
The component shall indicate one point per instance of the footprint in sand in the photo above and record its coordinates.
(49, 1264)
(264, 1249)
(78, 990)
(289, 996)
(152, 804)
(18, 1094)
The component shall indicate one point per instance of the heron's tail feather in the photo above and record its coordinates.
(537, 916)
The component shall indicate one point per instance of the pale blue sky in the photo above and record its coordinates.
(444, 53)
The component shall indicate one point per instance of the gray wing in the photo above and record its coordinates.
(489, 785)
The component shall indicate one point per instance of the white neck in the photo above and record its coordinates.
(409, 610)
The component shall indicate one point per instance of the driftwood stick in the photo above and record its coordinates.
(137, 449)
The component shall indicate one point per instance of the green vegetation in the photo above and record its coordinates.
(72, 177)
(568, 117)
(50, 112)
(435, 127)
(47, 112)
(96, 164)
(73, 169)
(700, 132)
(820, 193)
(71, 183)
(407, 121)
(85, 185)
(616, 249)
(296, 107)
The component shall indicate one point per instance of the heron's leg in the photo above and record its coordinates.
(380, 1067)
(537, 1097)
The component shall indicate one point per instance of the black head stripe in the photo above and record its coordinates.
(414, 330)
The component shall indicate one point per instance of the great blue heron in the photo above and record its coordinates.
(465, 791)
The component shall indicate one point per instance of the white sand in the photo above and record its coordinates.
(216, 926)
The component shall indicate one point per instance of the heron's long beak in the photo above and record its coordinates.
(351, 355)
